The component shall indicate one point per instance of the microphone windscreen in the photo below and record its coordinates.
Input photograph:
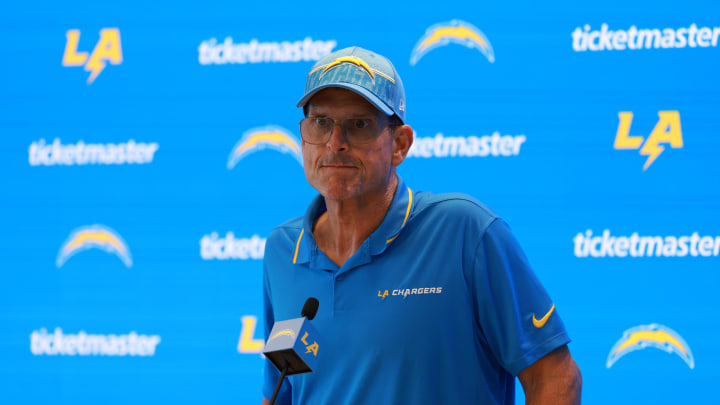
(310, 308)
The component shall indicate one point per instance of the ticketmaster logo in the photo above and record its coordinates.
(584, 39)
(41, 153)
(210, 52)
(641, 246)
(468, 146)
(84, 344)
(213, 247)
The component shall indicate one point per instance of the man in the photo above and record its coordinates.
(424, 299)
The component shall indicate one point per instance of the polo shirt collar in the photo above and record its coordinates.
(306, 250)
(394, 220)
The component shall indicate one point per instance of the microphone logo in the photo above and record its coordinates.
(310, 347)
(286, 332)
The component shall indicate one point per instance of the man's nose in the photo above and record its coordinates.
(338, 140)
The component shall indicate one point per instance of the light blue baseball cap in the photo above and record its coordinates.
(366, 73)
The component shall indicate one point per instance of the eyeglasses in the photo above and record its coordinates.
(357, 131)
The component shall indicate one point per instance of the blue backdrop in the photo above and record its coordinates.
(135, 202)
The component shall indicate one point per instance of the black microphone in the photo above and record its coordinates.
(310, 308)
(289, 346)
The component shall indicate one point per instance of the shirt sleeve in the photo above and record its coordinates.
(271, 375)
(517, 318)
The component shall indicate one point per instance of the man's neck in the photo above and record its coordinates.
(346, 224)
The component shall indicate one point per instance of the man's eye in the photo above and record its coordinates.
(322, 122)
(360, 123)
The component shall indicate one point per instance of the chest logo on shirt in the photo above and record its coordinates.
(404, 292)
(539, 323)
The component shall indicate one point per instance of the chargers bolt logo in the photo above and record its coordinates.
(455, 32)
(107, 49)
(653, 335)
(257, 139)
(284, 332)
(94, 237)
(350, 59)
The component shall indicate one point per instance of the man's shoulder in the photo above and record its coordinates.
(453, 207)
(285, 234)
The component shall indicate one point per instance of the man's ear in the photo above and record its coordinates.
(402, 141)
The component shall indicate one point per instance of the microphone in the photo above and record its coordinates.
(293, 345)
(310, 308)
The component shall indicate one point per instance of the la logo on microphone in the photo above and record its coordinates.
(310, 347)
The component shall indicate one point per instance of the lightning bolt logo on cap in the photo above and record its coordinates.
(653, 335)
(350, 59)
(94, 237)
(456, 32)
(257, 139)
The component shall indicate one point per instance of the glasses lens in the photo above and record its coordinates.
(359, 130)
(316, 130)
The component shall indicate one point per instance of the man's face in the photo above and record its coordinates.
(337, 169)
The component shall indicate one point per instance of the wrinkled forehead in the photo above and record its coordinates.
(336, 100)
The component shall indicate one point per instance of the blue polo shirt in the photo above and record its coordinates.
(439, 305)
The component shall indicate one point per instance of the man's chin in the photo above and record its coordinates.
(339, 189)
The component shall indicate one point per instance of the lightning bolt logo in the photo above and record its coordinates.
(655, 336)
(284, 332)
(652, 150)
(667, 130)
(270, 137)
(94, 237)
(94, 66)
(350, 59)
(456, 32)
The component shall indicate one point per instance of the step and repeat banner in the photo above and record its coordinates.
(148, 149)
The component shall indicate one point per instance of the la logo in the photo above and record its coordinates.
(107, 49)
(667, 130)
(313, 347)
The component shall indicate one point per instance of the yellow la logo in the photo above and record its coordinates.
(107, 49)
(383, 295)
(248, 344)
(667, 130)
(310, 348)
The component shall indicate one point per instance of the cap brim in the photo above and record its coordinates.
(379, 104)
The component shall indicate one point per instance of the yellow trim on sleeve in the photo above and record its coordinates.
(407, 213)
(297, 245)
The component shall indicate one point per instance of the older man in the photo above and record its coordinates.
(424, 298)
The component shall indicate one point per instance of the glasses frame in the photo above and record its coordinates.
(341, 122)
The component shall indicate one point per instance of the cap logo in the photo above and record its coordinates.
(350, 59)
